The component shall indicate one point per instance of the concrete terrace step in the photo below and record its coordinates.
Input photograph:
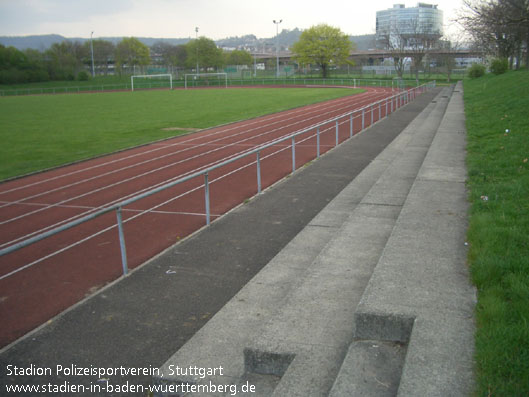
(287, 331)
(419, 303)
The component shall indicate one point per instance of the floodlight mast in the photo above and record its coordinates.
(92, 51)
(277, 45)
(196, 38)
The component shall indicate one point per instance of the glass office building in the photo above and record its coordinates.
(423, 23)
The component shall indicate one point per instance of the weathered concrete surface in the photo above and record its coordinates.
(291, 326)
(422, 276)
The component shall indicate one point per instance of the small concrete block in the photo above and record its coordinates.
(312, 372)
(267, 363)
(439, 361)
(370, 368)
(383, 326)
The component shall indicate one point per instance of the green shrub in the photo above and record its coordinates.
(499, 65)
(83, 76)
(476, 70)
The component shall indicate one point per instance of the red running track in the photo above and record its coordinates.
(61, 270)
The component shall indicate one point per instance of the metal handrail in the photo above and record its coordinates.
(402, 97)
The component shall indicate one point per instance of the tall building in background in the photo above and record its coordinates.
(409, 27)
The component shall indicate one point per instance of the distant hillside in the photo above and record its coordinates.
(40, 43)
(249, 42)
(43, 42)
(286, 39)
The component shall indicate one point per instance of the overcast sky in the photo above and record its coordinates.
(215, 19)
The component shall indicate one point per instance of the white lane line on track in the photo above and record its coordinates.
(371, 92)
(86, 207)
(172, 164)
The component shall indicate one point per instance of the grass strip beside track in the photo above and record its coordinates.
(44, 131)
(498, 165)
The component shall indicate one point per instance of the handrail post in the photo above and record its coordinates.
(363, 118)
(206, 193)
(337, 125)
(379, 110)
(122, 246)
(293, 154)
(351, 125)
(318, 142)
(258, 172)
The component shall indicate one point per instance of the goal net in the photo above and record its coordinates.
(147, 81)
(206, 80)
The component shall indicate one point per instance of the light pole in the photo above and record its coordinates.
(92, 51)
(196, 38)
(277, 45)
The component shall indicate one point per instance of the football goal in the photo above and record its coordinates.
(151, 81)
(206, 80)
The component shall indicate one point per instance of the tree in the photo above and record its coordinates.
(420, 43)
(394, 42)
(65, 60)
(132, 52)
(445, 55)
(36, 67)
(499, 27)
(209, 56)
(12, 63)
(173, 56)
(408, 39)
(238, 57)
(104, 53)
(322, 45)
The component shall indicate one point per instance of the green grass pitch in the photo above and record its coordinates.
(498, 234)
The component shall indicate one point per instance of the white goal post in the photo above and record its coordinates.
(150, 76)
(207, 75)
